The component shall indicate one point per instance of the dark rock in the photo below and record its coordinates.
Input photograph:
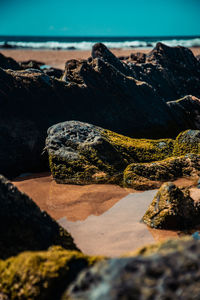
(23, 226)
(8, 63)
(172, 275)
(198, 57)
(172, 208)
(6, 45)
(31, 64)
(103, 92)
(138, 57)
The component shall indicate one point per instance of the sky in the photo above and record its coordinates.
(100, 17)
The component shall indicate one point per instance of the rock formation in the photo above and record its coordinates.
(172, 208)
(23, 226)
(41, 274)
(126, 97)
(82, 153)
(143, 176)
(172, 275)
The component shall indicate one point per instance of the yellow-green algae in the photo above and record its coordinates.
(172, 208)
(151, 175)
(43, 274)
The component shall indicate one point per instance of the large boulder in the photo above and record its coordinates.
(23, 226)
(172, 208)
(151, 175)
(82, 153)
(41, 275)
(173, 274)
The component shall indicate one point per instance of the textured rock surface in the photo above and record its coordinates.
(172, 208)
(23, 226)
(123, 97)
(82, 153)
(173, 275)
(151, 175)
(41, 275)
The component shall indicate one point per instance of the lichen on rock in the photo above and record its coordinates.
(42, 275)
(151, 175)
(172, 208)
(82, 153)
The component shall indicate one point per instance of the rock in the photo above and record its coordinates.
(104, 91)
(31, 64)
(41, 275)
(8, 63)
(138, 57)
(57, 73)
(172, 208)
(198, 57)
(173, 275)
(173, 72)
(144, 176)
(187, 142)
(82, 153)
(23, 226)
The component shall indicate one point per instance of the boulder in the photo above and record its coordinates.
(41, 274)
(8, 63)
(172, 208)
(82, 153)
(187, 142)
(23, 226)
(173, 274)
(145, 176)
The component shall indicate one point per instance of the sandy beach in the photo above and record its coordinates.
(57, 58)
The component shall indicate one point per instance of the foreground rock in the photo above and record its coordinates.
(23, 226)
(124, 97)
(172, 275)
(172, 208)
(82, 153)
(8, 63)
(41, 275)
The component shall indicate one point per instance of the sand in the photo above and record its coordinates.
(103, 219)
(57, 58)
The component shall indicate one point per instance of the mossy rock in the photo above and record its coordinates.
(144, 176)
(187, 142)
(23, 226)
(172, 208)
(41, 275)
(82, 153)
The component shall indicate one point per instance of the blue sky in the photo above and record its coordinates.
(100, 17)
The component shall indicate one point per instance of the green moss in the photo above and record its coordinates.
(187, 142)
(151, 175)
(41, 275)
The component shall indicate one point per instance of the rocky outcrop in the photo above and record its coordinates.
(172, 275)
(23, 226)
(144, 176)
(41, 275)
(172, 208)
(124, 97)
(8, 63)
(82, 153)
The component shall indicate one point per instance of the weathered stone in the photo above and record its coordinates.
(173, 274)
(187, 142)
(8, 63)
(145, 176)
(23, 226)
(82, 153)
(172, 208)
(41, 275)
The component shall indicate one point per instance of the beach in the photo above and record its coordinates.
(57, 58)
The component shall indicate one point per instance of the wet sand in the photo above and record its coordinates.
(103, 219)
(57, 58)
(75, 202)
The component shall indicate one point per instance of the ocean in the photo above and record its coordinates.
(85, 43)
